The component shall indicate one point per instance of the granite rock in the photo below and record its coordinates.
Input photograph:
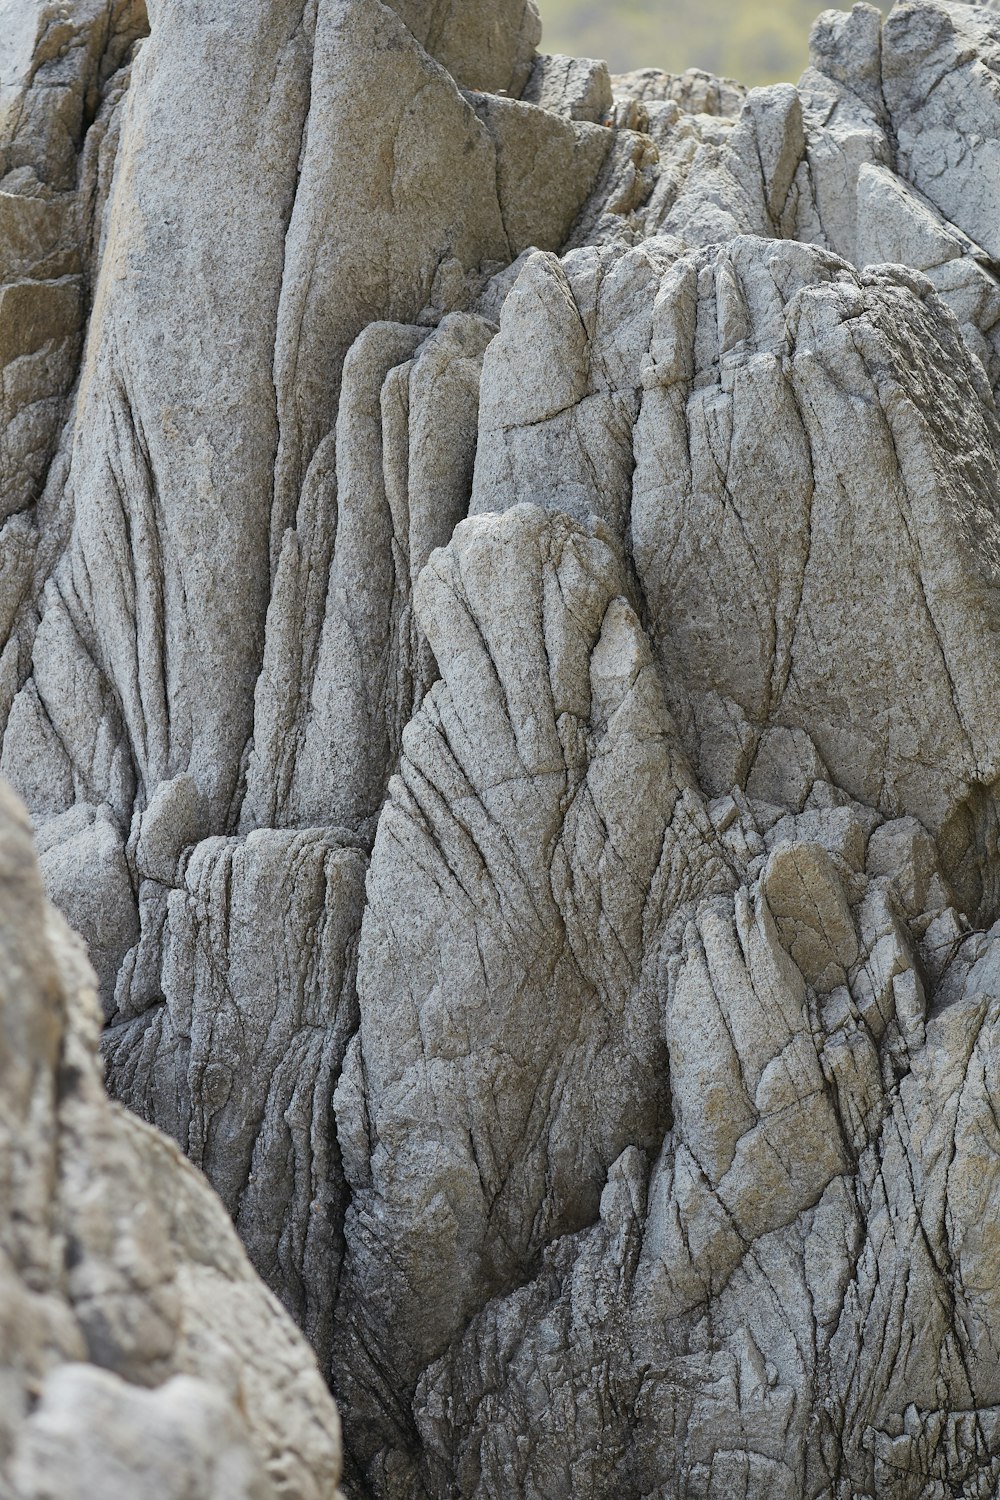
(499, 611)
(141, 1354)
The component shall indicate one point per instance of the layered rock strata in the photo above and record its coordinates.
(500, 597)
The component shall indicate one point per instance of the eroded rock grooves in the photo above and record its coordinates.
(499, 640)
(141, 1354)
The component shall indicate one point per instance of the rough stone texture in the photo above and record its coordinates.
(499, 613)
(579, 87)
(141, 1355)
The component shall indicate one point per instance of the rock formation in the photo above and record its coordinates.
(500, 625)
(140, 1353)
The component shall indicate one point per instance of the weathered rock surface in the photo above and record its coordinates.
(141, 1355)
(499, 623)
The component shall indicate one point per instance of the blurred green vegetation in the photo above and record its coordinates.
(755, 41)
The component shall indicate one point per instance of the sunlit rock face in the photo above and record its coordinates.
(500, 644)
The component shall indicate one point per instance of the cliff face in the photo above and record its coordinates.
(500, 622)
